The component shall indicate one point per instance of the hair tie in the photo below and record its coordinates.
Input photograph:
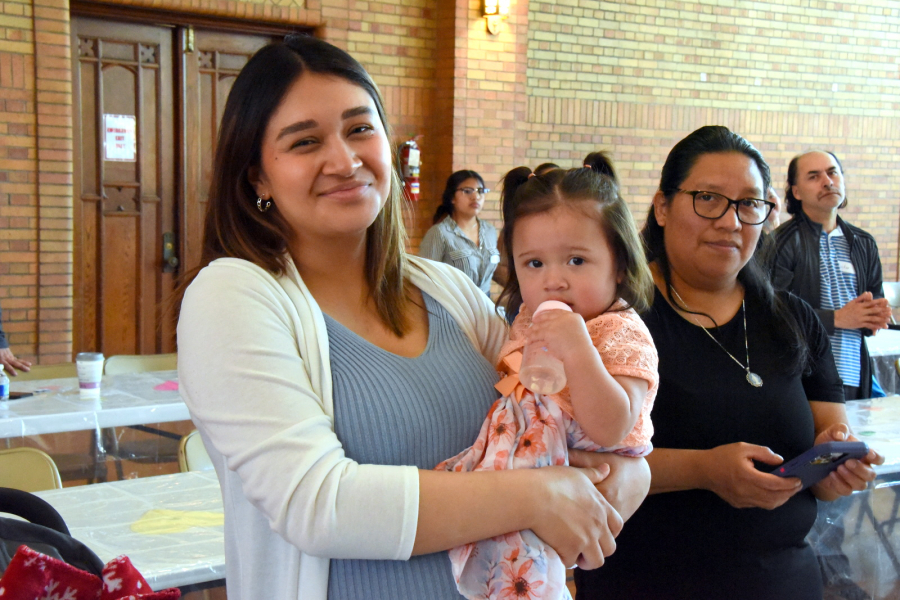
(530, 175)
(588, 167)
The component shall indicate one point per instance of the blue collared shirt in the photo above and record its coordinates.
(838, 287)
(447, 243)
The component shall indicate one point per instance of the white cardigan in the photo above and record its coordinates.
(254, 370)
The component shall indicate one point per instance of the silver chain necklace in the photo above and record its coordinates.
(752, 378)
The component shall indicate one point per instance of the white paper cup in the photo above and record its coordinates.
(90, 372)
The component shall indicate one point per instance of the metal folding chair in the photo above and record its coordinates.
(192, 455)
(29, 470)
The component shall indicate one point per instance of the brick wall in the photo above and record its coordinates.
(394, 39)
(17, 172)
(561, 79)
(635, 77)
(35, 178)
(484, 87)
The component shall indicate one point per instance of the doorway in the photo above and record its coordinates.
(147, 101)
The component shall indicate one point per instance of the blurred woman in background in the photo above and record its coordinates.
(458, 237)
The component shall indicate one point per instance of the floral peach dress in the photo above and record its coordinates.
(527, 430)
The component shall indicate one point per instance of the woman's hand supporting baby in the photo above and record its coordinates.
(562, 505)
(627, 484)
(584, 539)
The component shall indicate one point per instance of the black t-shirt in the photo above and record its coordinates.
(693, 544)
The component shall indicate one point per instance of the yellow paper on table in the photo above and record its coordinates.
(159, 520)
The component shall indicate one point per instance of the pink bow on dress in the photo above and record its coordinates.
(510, 364)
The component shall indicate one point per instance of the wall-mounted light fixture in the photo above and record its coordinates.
(494, 12)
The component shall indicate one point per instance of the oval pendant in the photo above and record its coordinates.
(754, 379)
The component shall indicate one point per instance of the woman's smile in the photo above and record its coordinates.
(349, 190)
(725, 245)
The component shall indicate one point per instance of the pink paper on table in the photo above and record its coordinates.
(167, 386)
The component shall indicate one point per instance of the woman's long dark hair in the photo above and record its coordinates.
(235, 228)
(714, 139)
(446, 206)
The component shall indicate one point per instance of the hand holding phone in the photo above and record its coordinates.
(816, 463)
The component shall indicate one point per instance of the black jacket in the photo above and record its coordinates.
(796, 269)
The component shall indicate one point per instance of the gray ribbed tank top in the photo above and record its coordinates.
(391, 410)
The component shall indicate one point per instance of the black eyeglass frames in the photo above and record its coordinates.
(711, 205)
(481, 191)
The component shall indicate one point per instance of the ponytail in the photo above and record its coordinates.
(509, 184)
(599, 162)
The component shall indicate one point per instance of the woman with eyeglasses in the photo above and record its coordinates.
(747, 380)
(458, 237)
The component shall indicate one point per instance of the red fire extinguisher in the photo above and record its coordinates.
(409, 168)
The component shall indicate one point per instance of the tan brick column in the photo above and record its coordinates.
(53, 86)
(481, 104)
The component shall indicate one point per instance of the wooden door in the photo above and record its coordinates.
(137, 208)
(124, 184)
(211, 64)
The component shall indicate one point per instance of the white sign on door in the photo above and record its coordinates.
(119, 137)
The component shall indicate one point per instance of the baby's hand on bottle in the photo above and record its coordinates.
(563, 333)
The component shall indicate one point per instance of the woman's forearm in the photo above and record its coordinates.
(458, 508)
(561, 505)
(675, 470)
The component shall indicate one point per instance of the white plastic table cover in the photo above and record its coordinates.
(126, 399)
(101, 515)
(865, 521)
(884, 347)
(877, 422)
(884, 343)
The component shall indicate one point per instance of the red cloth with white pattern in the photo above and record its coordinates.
(35, 576)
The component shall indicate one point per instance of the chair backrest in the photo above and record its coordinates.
(33, 509)
(28, 469)
(140, 363)
(892, 292)
(48, 372)
(192, 455)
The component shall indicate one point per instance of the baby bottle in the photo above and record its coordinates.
(541, 372)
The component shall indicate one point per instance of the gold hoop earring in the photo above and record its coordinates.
(259, 205)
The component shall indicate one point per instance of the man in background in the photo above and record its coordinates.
(832, 265)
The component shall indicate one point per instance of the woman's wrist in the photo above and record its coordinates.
(702, 475)
(531, 494)
(676, 470)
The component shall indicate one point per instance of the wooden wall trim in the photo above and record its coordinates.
(166, 17)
